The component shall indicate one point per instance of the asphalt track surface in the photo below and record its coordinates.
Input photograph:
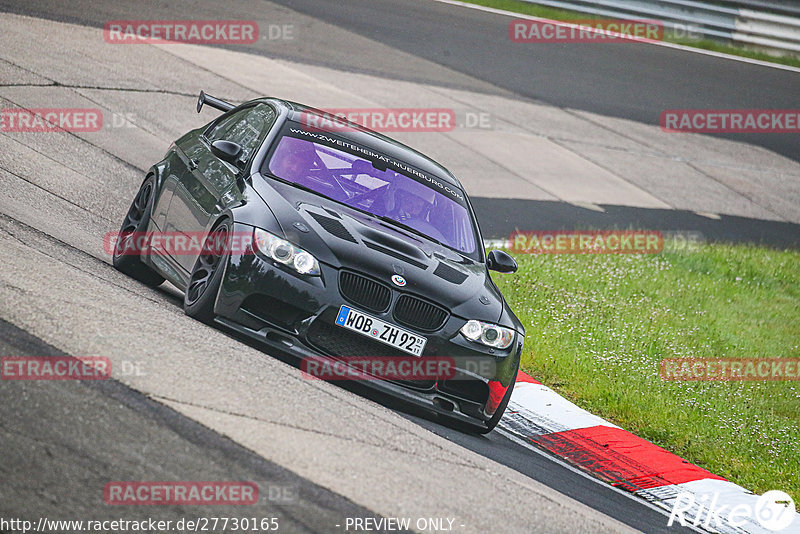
(445, 45)
(596, 83)
(633, 82)
(629, 82)
(62, 438)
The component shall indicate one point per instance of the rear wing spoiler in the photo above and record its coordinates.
(213, 102)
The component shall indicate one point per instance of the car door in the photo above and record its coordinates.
(209, 184)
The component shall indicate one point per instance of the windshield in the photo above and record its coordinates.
(437, 211)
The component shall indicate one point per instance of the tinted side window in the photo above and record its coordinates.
(246, 128)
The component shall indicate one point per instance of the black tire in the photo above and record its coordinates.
(136, 222)
(201, 291)
(498, 414)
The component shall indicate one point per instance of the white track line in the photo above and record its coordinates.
(657, 43)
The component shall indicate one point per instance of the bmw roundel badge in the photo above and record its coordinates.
(398, 280)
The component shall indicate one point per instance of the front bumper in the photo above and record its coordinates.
(293, 313)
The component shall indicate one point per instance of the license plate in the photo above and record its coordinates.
(378, 330)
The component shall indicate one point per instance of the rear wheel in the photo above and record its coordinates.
(128, 249)
(201, 292)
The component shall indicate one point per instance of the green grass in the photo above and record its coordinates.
(526, 8)
(597, 327)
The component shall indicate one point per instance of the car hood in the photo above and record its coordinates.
(349, 239)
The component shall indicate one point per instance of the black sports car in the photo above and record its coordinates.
(336, 245)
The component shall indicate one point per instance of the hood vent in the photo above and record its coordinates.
(451, 275)
(395, 254)
(333, 227)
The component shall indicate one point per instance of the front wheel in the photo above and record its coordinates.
(128, 249)
(206, 278)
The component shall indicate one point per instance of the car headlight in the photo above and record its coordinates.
(285, 253)
(488, 334)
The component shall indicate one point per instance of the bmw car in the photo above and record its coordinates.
(331, 244)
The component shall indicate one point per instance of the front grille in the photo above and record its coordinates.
(364, 291)
(334, 340)
(338, 342)
(418, 313)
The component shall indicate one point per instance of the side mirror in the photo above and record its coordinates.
(226, 151)
(499, 261)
